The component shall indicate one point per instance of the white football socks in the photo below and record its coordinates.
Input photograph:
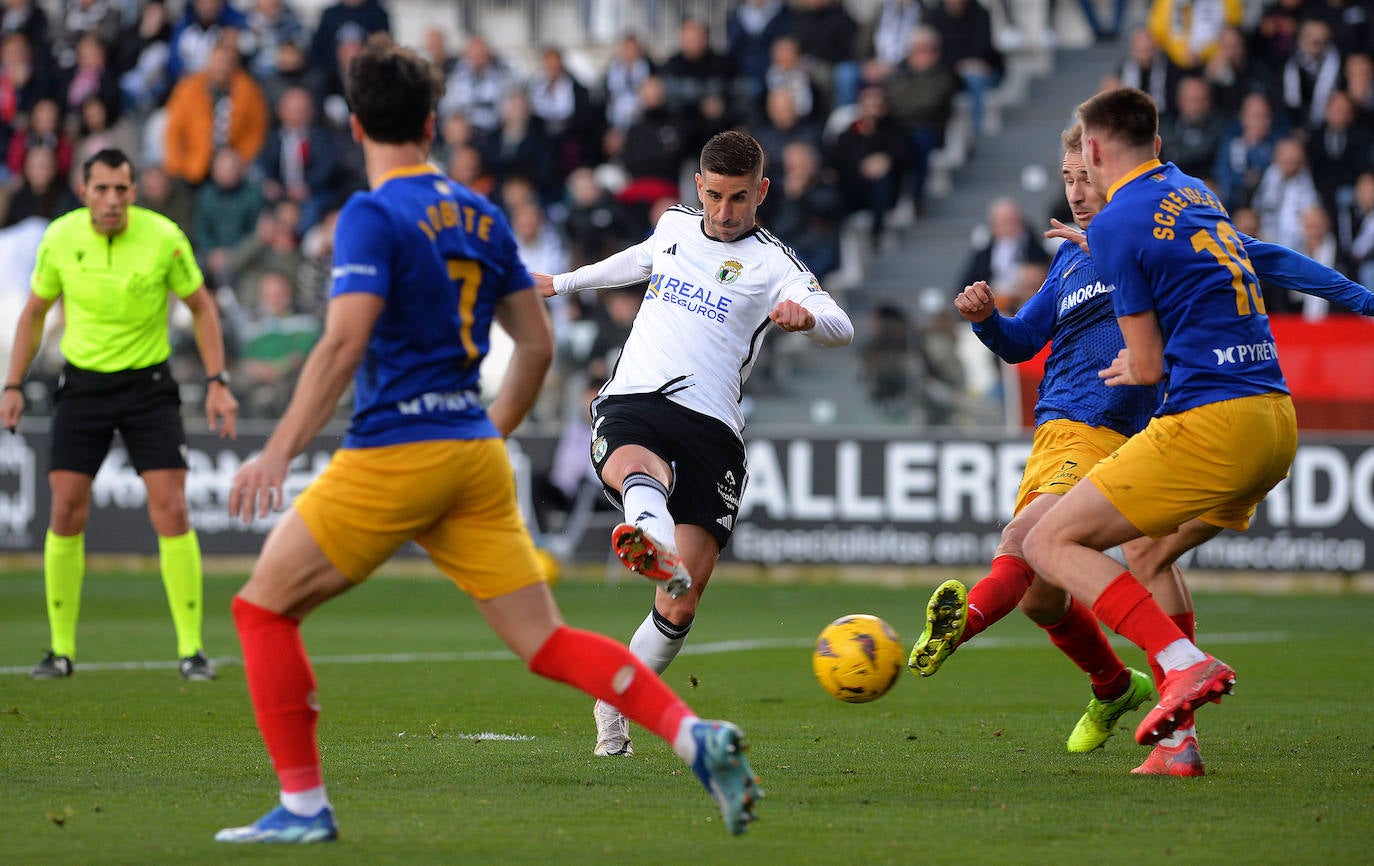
(646, 506)
(1180, 654)
(657, 641)
(306, 804)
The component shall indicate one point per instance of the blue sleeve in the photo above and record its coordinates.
(1296, 272)
(1020, 337)
(1116, 264)
(363, 247)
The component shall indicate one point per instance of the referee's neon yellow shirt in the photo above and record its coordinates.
(115, 289)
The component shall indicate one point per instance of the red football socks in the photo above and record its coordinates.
(606, 669)
(1129, 610)
(282, 686)
(1079, 637)
(997, 594)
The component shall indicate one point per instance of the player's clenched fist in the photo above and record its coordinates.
(976, 302)
(792, 316)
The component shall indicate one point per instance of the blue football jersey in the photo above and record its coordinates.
(1073, 310)
(1165, 243)
(441, 257)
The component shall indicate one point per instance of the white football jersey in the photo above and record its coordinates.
(705, 314)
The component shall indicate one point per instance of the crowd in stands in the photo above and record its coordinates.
(1278, 118)
(234, 112)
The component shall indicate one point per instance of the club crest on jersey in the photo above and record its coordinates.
(728, 272)
(442, 187)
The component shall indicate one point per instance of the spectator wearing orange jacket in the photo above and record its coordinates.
(220, 106)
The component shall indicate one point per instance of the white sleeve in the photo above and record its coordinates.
(625, 268)
(832, 327)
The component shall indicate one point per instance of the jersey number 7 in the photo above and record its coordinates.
(468, 275)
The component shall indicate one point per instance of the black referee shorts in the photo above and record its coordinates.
(144, 405)
(707, 457)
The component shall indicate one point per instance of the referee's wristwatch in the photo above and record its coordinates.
(221, 377)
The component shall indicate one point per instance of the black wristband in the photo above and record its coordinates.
(14, 387)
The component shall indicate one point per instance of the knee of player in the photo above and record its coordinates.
(1013, 541)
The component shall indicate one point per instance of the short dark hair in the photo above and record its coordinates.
(109, 156)
(732, 154)
(392, 91)
(1126, 114)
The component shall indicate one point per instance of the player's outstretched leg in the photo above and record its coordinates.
(1099, 720)
(653, 558)
(285, 827)
(721, 765)
(612, 731)
(1184, 690)
(946, 616)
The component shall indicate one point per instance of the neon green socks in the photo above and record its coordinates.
(181, 575)
(64, 568)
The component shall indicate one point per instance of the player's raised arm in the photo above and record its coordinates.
(625, 268)
(1296, 272)
(976, 302)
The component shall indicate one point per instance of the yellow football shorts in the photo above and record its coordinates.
(1214, 462)
(455, 498)
(1062, 452)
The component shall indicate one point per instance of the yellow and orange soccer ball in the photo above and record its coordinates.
(858, 658)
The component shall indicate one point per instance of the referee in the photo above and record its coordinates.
(114, 266)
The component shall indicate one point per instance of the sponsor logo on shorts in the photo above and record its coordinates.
(727, 490)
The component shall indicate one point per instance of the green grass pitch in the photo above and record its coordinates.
(128, 764)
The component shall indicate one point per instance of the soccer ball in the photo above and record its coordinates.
(857, 658)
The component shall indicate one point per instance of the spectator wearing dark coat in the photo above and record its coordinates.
(1193, 133)
(44, 192)
(303, 160)
(1010, 245)
(346, 19)
(869, 158)
(805, 209)
(1338, 151)
(966, 45)
(826, 34)
(702, 85)
(197, 33)
(921, 92)
(750, 32)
